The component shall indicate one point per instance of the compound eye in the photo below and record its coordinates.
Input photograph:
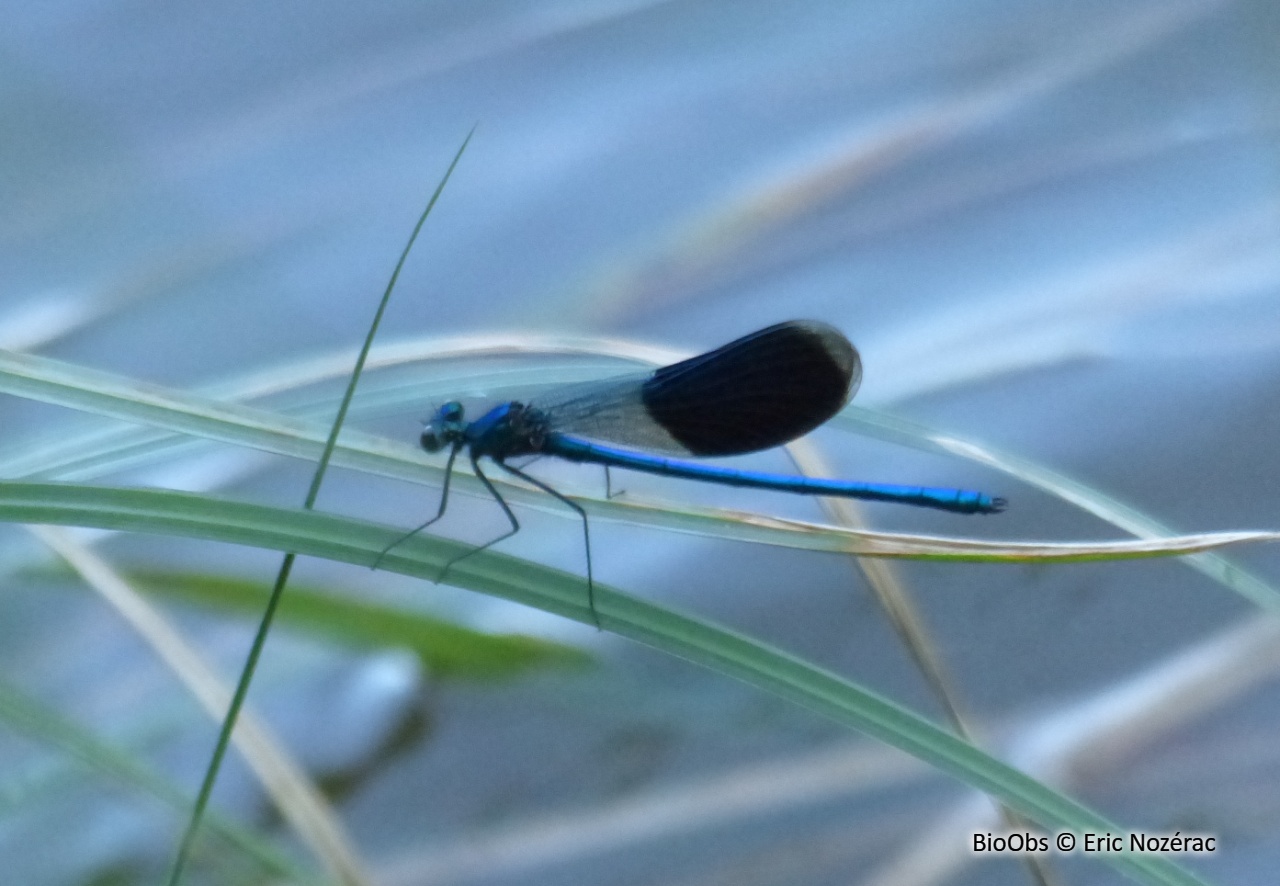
(451, 411)
(431, 439)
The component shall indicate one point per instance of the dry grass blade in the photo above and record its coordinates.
(1098, 734)
(295, 795)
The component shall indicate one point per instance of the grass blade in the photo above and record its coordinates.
(350, 873)
(353, 541)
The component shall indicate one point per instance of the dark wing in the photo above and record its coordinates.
(754, 393)
(757, 392)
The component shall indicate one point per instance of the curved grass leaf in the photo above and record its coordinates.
(445, 649)
(56, 382)
(352, 541)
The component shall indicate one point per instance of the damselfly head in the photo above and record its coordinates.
(445, 427)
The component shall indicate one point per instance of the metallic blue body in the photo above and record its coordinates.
(757, 392)
(962, 501)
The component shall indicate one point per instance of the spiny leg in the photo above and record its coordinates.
(586, 531)
(444, 502)
(506, 509)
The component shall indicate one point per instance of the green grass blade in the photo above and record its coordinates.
(349, 874)
(1105, 507)
(446, 650)
(353, 541)
(110, 395)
